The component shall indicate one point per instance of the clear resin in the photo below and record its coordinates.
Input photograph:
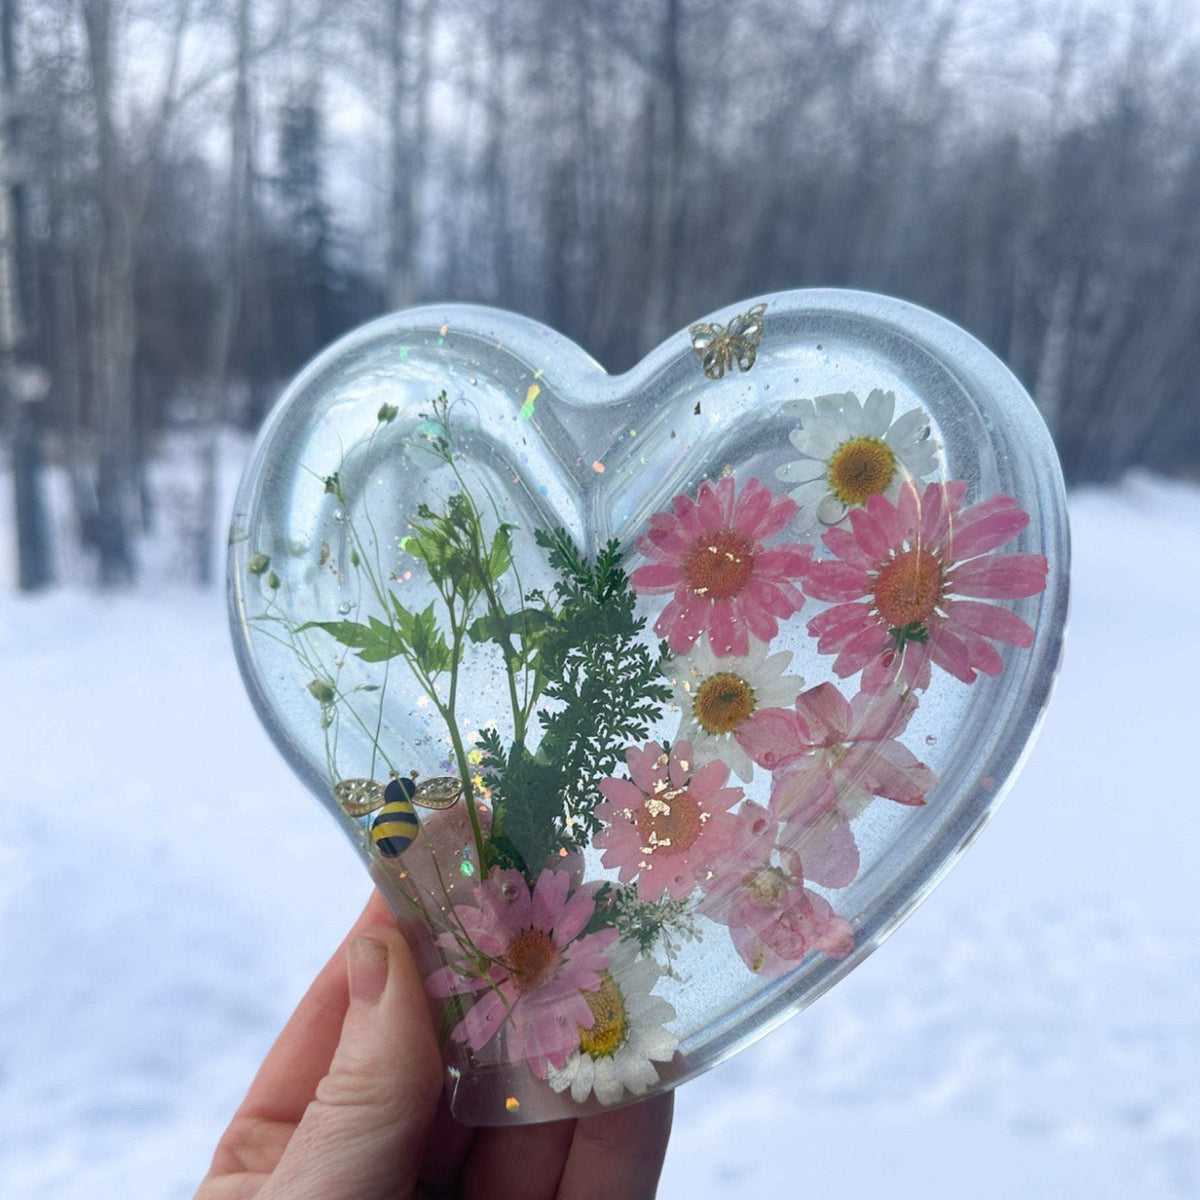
(652, 702)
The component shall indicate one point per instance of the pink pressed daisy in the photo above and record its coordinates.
(908, 582)
(525, 949)
(669, 824)
(831, 757)
(710, 553)
(773, 919)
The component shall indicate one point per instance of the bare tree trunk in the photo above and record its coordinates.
(229, 303)
(666, 220)
(17, 400)
(118, 499)
(1049, 386)
(406, 152)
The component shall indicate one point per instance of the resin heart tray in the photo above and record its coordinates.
(652, 702)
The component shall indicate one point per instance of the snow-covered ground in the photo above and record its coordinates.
(1033, 1031)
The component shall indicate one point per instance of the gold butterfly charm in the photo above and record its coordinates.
(718, 347)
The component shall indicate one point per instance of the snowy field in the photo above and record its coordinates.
(167, 891)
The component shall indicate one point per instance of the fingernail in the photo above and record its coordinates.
(367, 962)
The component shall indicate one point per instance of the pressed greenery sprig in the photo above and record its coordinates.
(609, 689)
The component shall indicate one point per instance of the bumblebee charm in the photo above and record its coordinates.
(358, 797)
(396, 826)
(440, 792)
(718, 347)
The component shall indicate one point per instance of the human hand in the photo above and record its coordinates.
(348, 1106)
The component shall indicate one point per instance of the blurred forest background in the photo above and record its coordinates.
(197, 195)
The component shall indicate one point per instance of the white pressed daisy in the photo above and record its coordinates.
(716, 695)
(627, 1038)
(852, 451)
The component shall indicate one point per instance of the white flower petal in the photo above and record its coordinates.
(809, 495)
(800, 470)
(906, 430)
(877, 413)
(804, 409)
(831, 510)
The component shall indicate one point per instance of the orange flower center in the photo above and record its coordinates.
(908, 589)
(609, 1024)
(723, 702)
(860, 468)
(720, 564)
(670, 822)
(533, 957)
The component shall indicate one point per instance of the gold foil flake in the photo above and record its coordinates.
(718, 347)
(358, 797)
(512, 1104)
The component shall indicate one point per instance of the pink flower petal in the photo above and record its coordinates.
(549, 897)
(752, 506)
(645, 768)
(836, 581)
(985, 526)
(482, 1021)
(849, 548)
(725, 635)
(837, 625)
(876, 718)
(621, 792)
(769, 598)
(772, 737)
(712, 510)
(914, 671)
(886, 769)
(778, 515)
(825, 712)
(788, 561)
(869, 534)
(828, 851)
(988, 620)
(860, 649)
(655, 578)
(664, 541)
(687, 513)
(950, 653)
(1000, 576)
(804, 792)
(749, 611)
(883, 512)
(908, 513)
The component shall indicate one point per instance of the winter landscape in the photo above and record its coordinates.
(1030, 1032)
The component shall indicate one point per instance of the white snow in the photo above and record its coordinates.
(167, 891)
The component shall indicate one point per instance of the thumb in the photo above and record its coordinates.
(363, 1135)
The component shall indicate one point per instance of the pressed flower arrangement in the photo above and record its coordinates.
(651, 709)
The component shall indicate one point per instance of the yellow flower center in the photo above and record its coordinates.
(610, 1025)
(533, 958)
(908, 589)
(860, 468)
(720, 564)
(670, 822)
(723, 702)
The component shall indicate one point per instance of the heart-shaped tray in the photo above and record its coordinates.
(652, 702)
